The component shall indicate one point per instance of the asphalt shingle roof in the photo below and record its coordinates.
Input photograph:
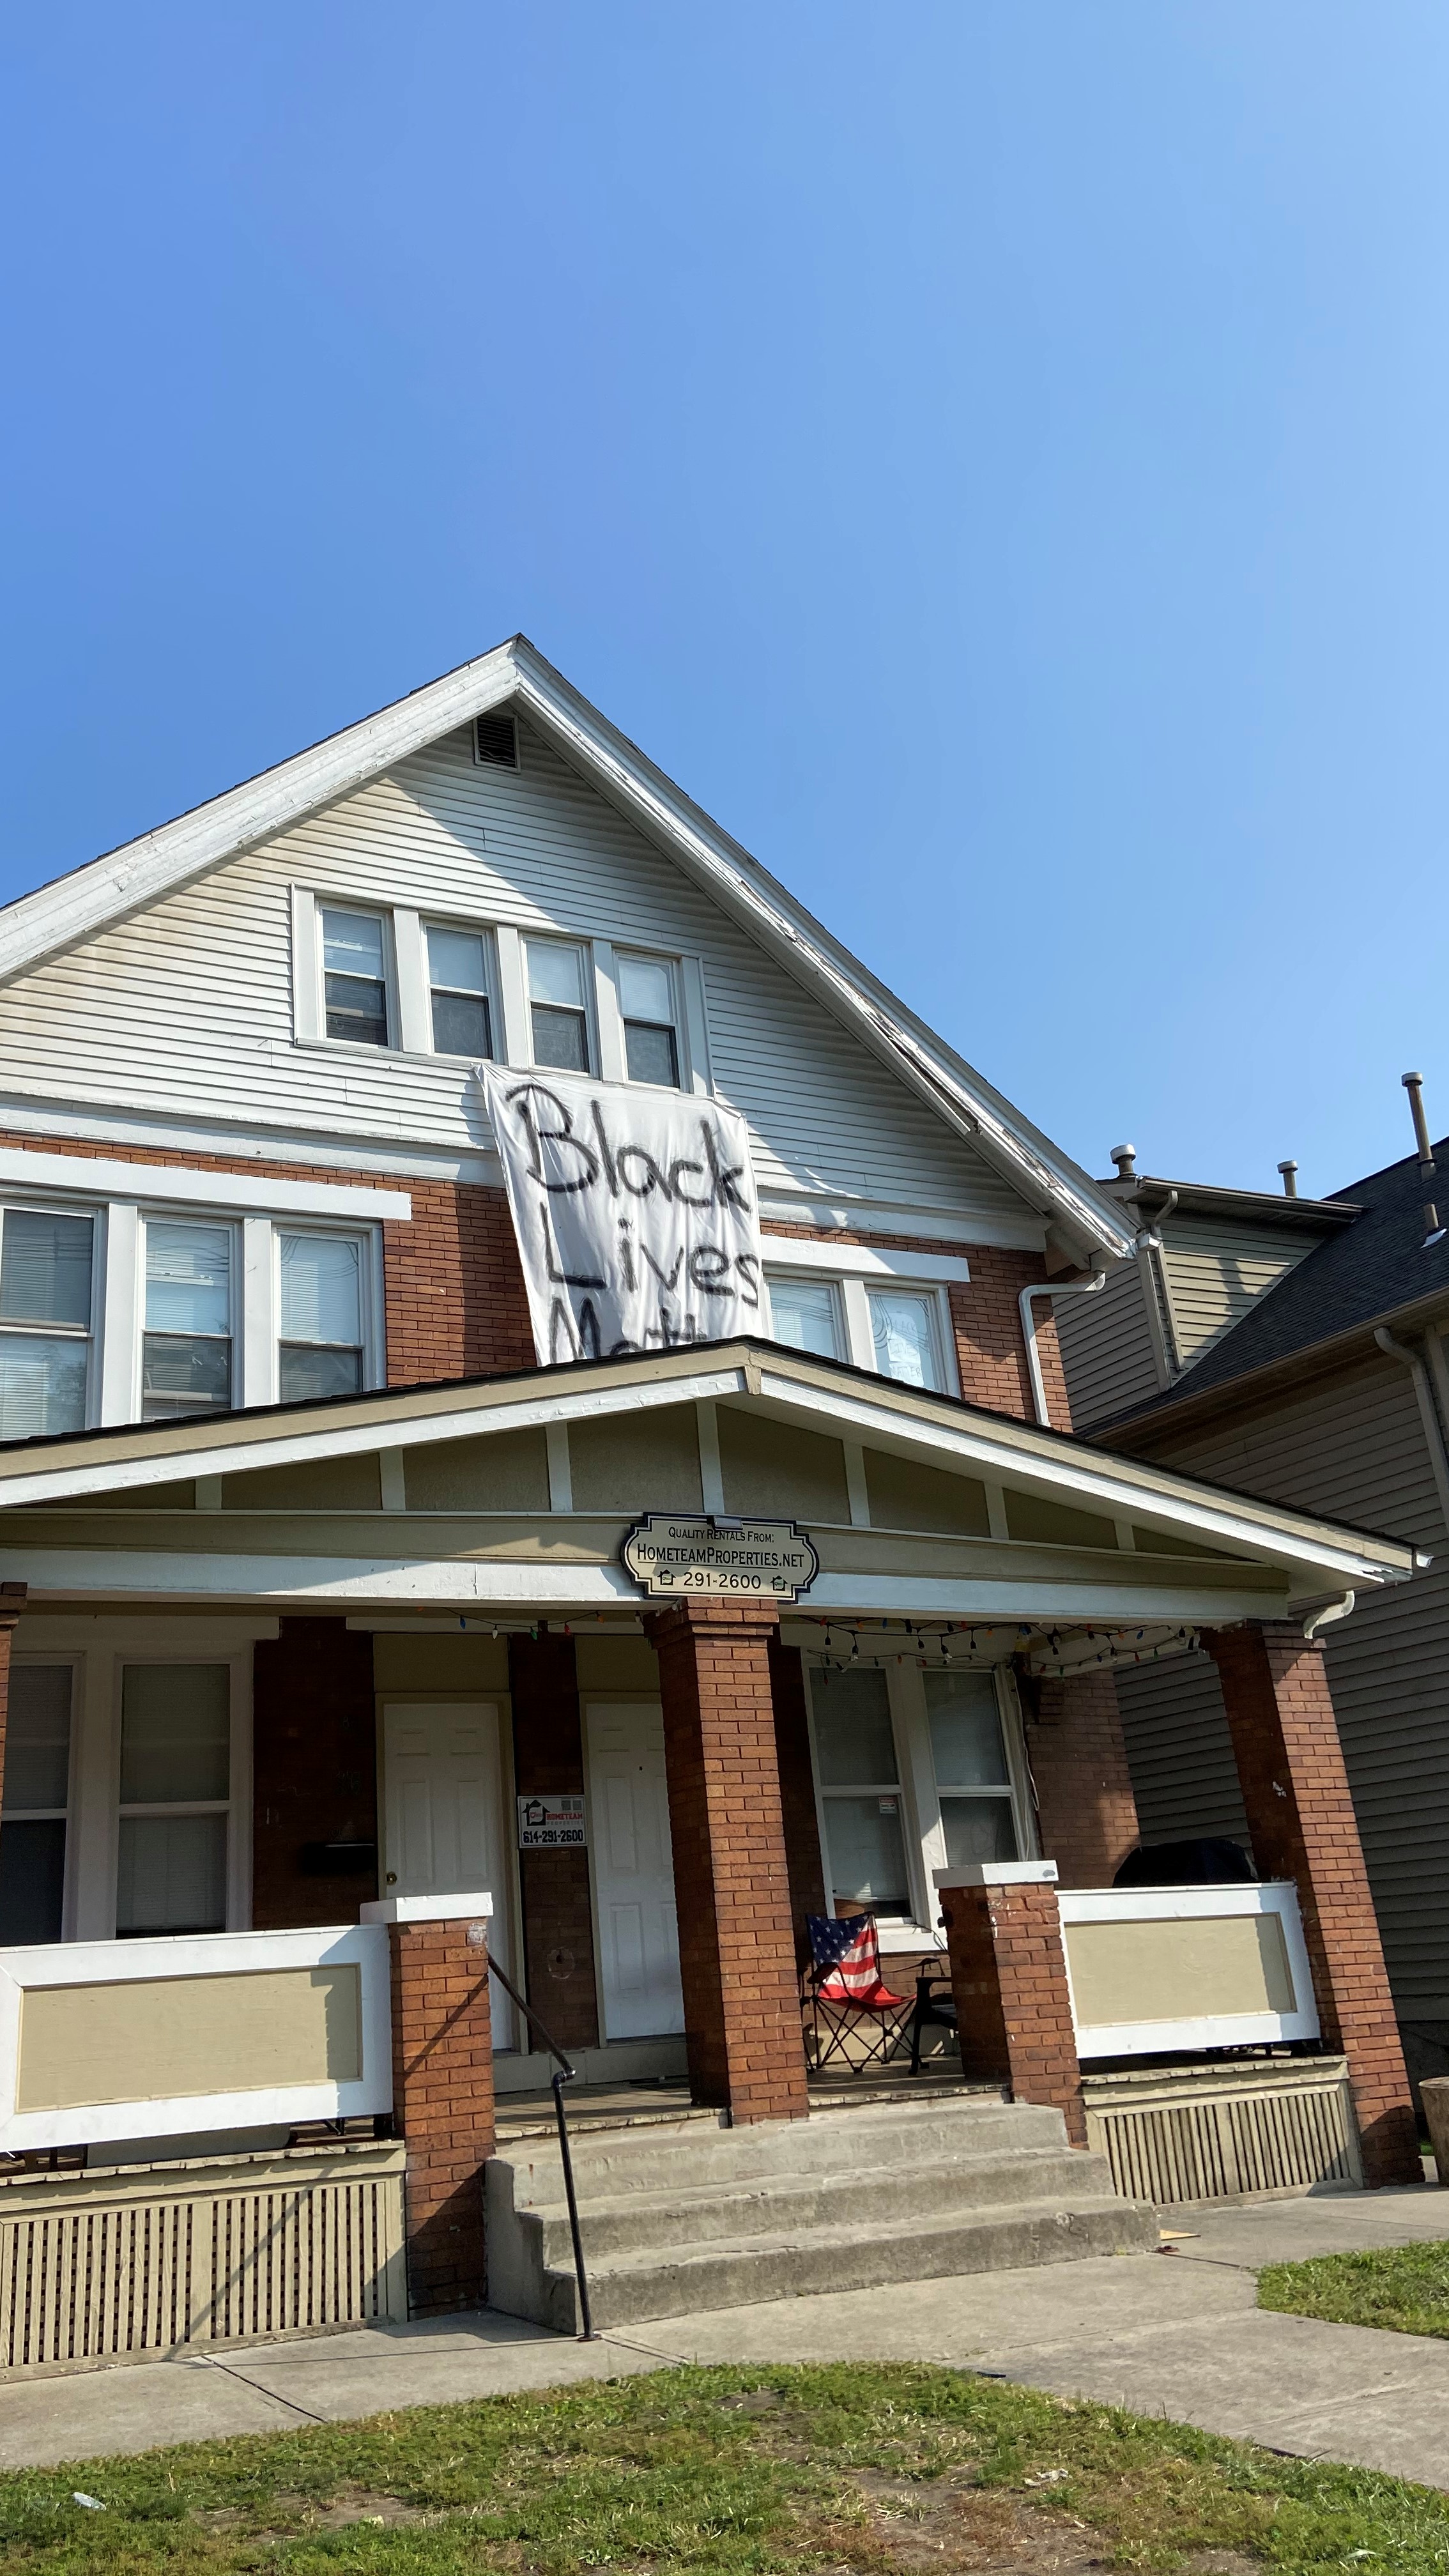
(1357, 1275)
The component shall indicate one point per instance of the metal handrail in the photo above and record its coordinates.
(565, 2075)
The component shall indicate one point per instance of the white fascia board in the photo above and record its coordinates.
(1092, 1481)
(476, 1586)
(59, 914)
(83, 1177)
(235, 1456)
(948, 1084)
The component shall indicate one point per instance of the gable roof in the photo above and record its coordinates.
(90, 898)
(1371, 1270)
(820, 1395)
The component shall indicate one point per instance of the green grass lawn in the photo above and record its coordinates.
(859, 2470)
(1404, 2287)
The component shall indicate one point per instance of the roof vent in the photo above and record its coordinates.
(1125, 1158)
(495, 741)
(1414, 1085)
(1289, 1171)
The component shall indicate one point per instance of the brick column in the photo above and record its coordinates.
(1078, 1757)
(1009, 1979)
(1300, 1814)
(442, 2089)
(12, 1602)
(736, 1946)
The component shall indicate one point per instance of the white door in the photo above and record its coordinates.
(443, 1824)
(633, 1871)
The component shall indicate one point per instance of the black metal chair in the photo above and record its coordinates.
(935, 2008)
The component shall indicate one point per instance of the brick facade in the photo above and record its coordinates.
(314, 1772)
(442, 2077)
(1078, 1757)
(1013, 2003)
(558, 1921)
(736, 1947)
(1300, 1815)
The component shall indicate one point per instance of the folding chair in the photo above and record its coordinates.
(935, 2005)
(846, 1994)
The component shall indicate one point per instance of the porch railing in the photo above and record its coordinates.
(564, 2073)
(1161, 1970)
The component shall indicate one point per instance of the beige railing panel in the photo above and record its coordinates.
(1154, 1969)
(160, 2036)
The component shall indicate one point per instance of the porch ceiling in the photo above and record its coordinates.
(518, 1492)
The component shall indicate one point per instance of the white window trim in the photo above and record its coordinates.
(678, 1020)
(582, 948)
(852, 1289)
(922, 1830)
(79, 1176)
(491, 981)
(75, 1665)
(92, 1856)
(864, 1261)
(309, 1004)
(371, 1298)
(25, 1203)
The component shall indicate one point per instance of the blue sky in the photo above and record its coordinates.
(994, 454)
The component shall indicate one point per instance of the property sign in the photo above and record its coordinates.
(673, 1552)
(552, 1822)
(635, 1211)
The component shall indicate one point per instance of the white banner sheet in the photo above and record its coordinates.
(635, 1212)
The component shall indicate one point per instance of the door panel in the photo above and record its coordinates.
(633, 1871)
(443, 1820)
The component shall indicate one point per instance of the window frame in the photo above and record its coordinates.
(939, 1311)
(370, 1293)
(922, 1828)
(159, 1214)
(486, 935)
(583, 949)
(855, 1281)
(810, 1279)
(236, 1805)
(75, 1665)
(22, 1204)
(676, 1023)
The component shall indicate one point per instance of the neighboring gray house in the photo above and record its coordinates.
(1295, 1349)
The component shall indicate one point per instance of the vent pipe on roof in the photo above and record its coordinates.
(1125, 1158)
(1414, 1085)
(1289, 1171)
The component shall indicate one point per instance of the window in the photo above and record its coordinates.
(904, 1335)
(805, 1315)
(175, 1798)
(321, 1316)
(186, 1346)
(354, 966)
(458, 993)
(45, 1322)
(860, 1791)
(972, 1777)
(37, 1796)
(647, 1007)
(557, 1010)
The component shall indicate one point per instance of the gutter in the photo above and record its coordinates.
(1428, 1412)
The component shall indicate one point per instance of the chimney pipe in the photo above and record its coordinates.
(1125, 1158)
(1289, 1171)
(1414, 1085)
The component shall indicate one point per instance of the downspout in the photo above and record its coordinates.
(1433, 1430)
(1317, 1619)
(1049, 1288)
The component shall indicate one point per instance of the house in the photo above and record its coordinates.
(1306, 1363)
(412, 1676)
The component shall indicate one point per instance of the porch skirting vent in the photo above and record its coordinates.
(117, 2266)
(1216, 2132)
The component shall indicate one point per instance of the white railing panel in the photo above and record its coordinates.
(1158, 1969)
(208, 2031)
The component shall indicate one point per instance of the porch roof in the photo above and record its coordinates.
(517, 1491)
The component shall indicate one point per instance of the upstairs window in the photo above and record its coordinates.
(647, 1008)
(46, 1264)
(905, 1332)
(558, 1012)
(806, 1316)
(321, 1345)
(458, 993)
(175, 1798)
(186, 1345)
(354, 968)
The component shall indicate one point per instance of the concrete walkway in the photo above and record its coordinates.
(1173, 2334)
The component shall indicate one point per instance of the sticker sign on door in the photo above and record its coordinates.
(674, 1552)
(552, 1823)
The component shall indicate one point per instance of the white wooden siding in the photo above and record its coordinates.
(186, 1009)
(1353, 1447)
(1216, 1270)
(1107, 1347)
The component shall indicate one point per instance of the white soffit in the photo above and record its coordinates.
(942, 1434)
(60, 914)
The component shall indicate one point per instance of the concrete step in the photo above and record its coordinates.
(707, 2212)
(609, 2163)
(652, 2282)
(693, 2217)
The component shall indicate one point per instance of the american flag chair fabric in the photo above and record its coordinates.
(856, 2018)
